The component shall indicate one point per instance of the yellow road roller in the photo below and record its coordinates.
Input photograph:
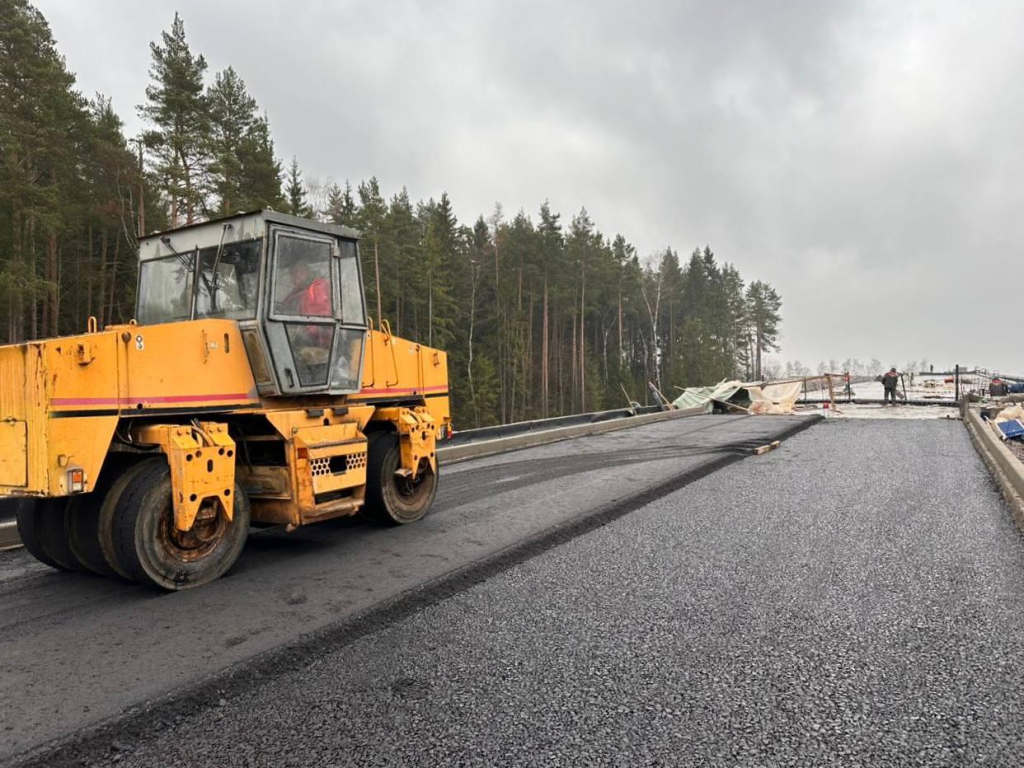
(250, 390)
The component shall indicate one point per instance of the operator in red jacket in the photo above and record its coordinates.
(311, 344)
(310, 296)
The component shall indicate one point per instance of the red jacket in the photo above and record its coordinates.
(315, 299)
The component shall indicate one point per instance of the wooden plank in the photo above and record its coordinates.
(765, 448)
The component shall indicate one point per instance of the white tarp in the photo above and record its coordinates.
(764, 399)
(705, 397)
(774, 398)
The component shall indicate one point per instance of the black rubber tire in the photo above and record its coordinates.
(83, 516)
(106, 519)
(140, 516)
(26, 514)
(49, 527)
(82, 533)
(386, 503)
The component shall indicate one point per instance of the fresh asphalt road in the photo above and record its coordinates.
(76, 650)
(854, 598)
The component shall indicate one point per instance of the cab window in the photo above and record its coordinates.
(351, 290)
(229, 283)
(303, 280)
(165, 289)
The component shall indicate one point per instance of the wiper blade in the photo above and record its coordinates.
(182, 258)
(216, 264)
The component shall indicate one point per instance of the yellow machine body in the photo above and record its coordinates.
(187, 389)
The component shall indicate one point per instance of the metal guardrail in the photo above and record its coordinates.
(486, 441)
(465, 436)
(529, 438)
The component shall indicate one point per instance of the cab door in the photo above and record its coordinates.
(316, 320)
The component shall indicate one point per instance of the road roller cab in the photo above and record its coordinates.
(293, 286)
(251, 388)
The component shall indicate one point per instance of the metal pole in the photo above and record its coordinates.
(956, 384)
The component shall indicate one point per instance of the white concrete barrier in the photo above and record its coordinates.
(1004, 466)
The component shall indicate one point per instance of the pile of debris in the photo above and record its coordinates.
(1008, 424)
(740, 397)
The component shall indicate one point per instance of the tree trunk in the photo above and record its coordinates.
(544, 355)
(575, 361)
(189, 208)
(560, 357)
(620, 330)
(113, 280)
(529, 385)
(469, 365)
(376, 269)
(583, 344)
(14, 296)
(55, 300)
(34, 317)
(757, 341)
(101, 289)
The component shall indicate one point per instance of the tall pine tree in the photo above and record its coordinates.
(295, 193)
(177, 108)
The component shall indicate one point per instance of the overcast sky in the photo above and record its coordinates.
(866, 158)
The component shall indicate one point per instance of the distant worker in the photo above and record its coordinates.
(890, 380)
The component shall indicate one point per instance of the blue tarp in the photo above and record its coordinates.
(1011, 429)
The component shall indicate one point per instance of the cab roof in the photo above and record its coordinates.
(272, 216)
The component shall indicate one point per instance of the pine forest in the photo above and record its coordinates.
(541, 312)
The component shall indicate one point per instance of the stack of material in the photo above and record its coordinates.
(738, 396)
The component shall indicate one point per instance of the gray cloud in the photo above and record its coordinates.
(864, 157)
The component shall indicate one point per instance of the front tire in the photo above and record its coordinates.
(390, 499)
(109, 505)
(151, 549)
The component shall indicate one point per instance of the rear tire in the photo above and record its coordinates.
(149, 547)
(83, 527)
(27, 532)
(392, 500)
(41, 526)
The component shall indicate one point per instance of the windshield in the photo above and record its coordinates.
(231, 293)
(165, 289)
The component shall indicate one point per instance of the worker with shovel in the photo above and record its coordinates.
(890, 381)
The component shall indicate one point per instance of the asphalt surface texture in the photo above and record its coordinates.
(89, 665)
(855, 598)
